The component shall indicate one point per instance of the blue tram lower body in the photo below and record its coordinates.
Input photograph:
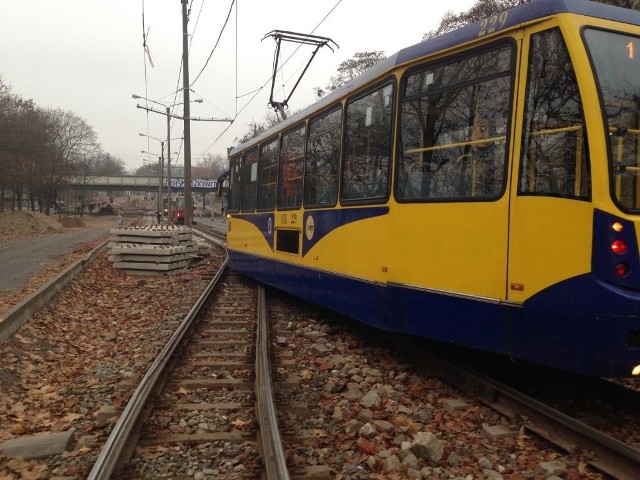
(556, 327)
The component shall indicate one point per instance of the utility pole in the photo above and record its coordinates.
(188, 201)
(169, 201)
(188, 209)
(160, 181)
(169, 115)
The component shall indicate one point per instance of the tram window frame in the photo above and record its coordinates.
(370, 170)
(235, 184)
(548, 165)
(322, 159)
(268, 174)
(297, 164)
(457, 154)
(249, 170)
(288, 240)
(619, 112)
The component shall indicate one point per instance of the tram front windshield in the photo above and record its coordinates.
(616, 62)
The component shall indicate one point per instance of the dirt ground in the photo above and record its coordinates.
(20, 224)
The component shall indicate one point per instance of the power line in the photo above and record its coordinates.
(216, 44)
(259, 89)
(145, 52)
(291, 55)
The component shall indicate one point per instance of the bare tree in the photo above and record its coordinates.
(74, 144)
(350, 69)
(105, 164)
(40, 148)
(255, 128)
(23, 140)
(486, 8)
(481, 9)
(211, 166)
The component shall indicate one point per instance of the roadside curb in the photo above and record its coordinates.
(15, 317)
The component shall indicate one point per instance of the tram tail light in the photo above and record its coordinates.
(622, 269)
(619, 247)
(615, 254)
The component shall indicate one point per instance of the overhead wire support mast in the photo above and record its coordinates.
(169, 115)
(304, 39)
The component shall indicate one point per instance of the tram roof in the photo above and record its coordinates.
(524, 13)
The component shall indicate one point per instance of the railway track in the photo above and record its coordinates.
(223, 356)
(221, 346)
(345, 405)
(541, 413)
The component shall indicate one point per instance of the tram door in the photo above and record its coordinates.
(550, 214)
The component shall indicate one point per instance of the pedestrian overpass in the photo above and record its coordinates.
(125, 183)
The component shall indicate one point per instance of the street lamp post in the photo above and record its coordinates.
(169, 206)
(160, 177)
(187, 145)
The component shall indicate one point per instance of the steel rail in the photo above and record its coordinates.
(613, 457)
(272, 449)
(110, 457)
(210, 234)
(214, 234)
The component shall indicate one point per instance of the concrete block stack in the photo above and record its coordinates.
(151, 248)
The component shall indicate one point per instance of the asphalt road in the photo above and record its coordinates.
(218, 223)
(21, 259)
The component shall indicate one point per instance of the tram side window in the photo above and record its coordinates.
(453, 129)
(249, 181)
(323, 156)
(234, 184)
(268, 177)
(554, 157)
(291, 169)
(365, 173)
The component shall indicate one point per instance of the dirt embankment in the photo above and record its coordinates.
(19, 224)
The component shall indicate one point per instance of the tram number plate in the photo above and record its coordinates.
(289, 219)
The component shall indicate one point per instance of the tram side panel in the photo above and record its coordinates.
(447, 272)
(337, 262)
(346, 252)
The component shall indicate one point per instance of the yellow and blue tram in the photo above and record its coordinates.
(481, 188)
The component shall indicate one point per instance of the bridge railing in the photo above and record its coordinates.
(129, 182)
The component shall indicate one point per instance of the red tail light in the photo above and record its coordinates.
(622, 269)
(619, 247)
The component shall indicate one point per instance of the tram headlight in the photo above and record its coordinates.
(636, 371)
(617, 227)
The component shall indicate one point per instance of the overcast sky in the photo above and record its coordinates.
(87, 56)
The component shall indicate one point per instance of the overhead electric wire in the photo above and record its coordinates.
(146, 83)
(236, 60)
(145, 52)
(178, 89)
(259, 89)
(291, 55)
(216, 44)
